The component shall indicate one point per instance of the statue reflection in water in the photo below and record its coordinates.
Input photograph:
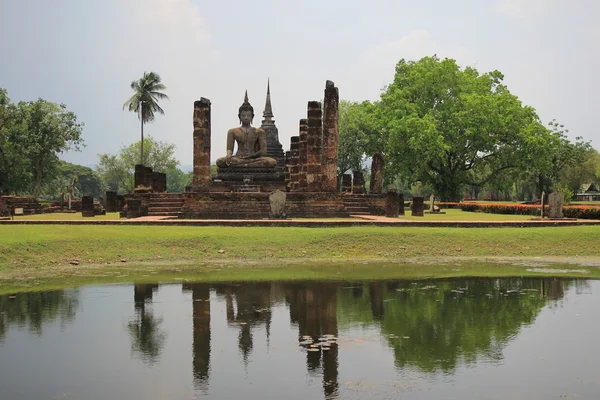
(449, 323)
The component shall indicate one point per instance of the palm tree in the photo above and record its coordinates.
(145, 100)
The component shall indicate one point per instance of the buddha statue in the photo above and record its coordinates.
(251, 143)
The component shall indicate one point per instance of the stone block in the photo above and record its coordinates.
(417, 207)
(555, 205)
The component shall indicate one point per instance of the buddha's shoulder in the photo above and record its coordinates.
(235, 130)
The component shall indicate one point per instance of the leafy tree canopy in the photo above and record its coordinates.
(116, 170)
(446, 123)
(32, 135)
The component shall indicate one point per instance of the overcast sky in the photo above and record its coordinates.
(85, 54)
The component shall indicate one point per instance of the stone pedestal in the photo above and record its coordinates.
(87, 206)
(392, 204)
(417, 207)
(555, 205)
(111, 201)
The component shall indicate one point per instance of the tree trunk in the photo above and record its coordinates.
(38, 180)
(376, 185)
(142, 152)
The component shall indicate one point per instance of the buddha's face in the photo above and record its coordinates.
(246, 117)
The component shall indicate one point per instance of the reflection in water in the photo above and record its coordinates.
(147, 338)
(34, 309)
(201, 332)
(429, 326)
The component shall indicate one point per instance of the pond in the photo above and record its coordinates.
(427, 339)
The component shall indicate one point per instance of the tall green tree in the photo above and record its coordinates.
(147, 93)
(351, 152)
(32, 135)
(116, 170)
(445, 122)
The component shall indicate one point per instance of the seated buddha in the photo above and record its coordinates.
(251, 143)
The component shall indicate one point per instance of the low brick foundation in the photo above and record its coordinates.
(256, 205)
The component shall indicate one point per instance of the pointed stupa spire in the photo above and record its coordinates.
(268, 113)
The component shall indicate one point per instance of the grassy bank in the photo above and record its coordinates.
(39, 247)
(59, 277)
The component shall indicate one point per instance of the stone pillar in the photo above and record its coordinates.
(111, 201)
(87, 206)
(377, 173)
(401, 204)
(120, 202)
(432, 203)
(358, 182)
(302, 155)
(330, 138)
(555, 205)
(294, 167)
(201, 143)
(417, 207)
(347, 183)
(314, 139)
(287, 169)
(392, 204)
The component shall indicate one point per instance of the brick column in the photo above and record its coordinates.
(392, 204)
(201, 143)
(330, 138)
(417, 207)
(294, 167)
(302, 155)
(314, 144)
(287, 170)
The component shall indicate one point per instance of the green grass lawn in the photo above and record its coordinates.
(46, 245)
(454, 214)
(64, 216)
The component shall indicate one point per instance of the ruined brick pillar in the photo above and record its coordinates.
(287, 170)
(401, 204)
(417, 207)
(87, 206)
(111, 201)
(302, 155)
(377, 173)
(139, 176)
(314, 144)
(392, 204)
(358, 182)
(294, 167)
(201, 143)
(330, 138)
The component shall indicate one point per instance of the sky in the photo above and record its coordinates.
(85, 54)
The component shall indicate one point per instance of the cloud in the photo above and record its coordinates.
(520, 8)
(376, 67)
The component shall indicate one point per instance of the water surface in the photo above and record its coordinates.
(450, 339)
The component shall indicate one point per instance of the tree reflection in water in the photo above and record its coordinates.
(36, 309)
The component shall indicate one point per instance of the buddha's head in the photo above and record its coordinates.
(246, 113)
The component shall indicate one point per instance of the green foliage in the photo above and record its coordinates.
(177, 180)
(449, 126)
(350, 153)
(116, 170)
(85, 180)
(32, 135)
